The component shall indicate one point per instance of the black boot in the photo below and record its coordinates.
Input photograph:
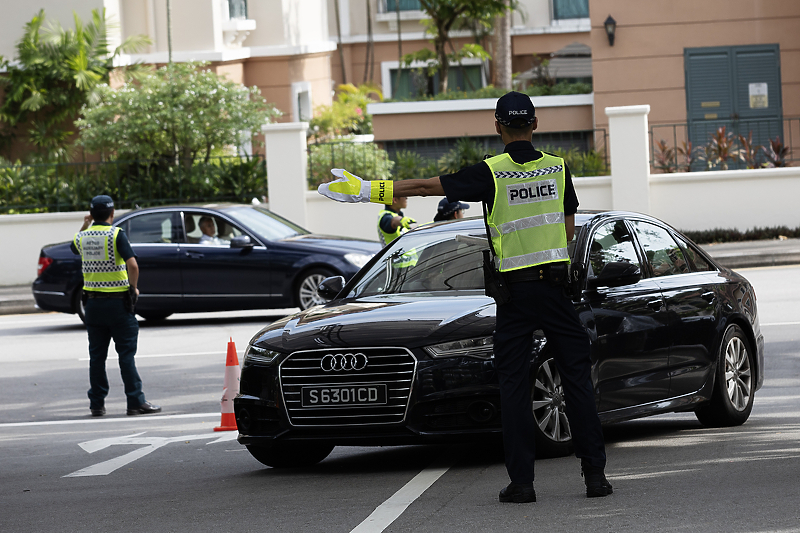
(518, 493)
(596, 483)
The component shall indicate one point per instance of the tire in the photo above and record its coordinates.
(154, 317)
(290, 454)
(306, 289)
(553, 434)
(77, 304)
(734, 383)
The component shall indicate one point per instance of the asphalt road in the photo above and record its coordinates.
(61, 470)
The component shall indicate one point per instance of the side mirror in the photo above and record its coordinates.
(615, 274)
(241, 241)
(330, 287)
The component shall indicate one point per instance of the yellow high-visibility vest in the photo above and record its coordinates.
(103, 268)
(527, 220)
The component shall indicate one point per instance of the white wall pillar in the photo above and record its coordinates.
(287, 169)
(630, 157)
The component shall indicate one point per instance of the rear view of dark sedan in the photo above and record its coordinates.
(211, 258)
(403, 354)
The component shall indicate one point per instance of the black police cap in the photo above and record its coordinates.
(102, 201)
(515, 110)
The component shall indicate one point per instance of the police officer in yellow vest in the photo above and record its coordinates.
(392, 222)
(531, 205)
(110, 277)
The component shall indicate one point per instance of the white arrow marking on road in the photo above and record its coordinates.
(151, 445)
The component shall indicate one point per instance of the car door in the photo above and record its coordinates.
(217, 277)
(690, 296)
(155, 238)
(629, 326)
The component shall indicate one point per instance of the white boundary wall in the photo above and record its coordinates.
(740, 199)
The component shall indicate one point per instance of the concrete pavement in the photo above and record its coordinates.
(19, 299)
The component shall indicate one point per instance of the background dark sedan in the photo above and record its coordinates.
(255, 259)
(404, 353)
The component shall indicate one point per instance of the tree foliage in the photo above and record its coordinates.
(447, 15)
(348, 113)
(180, 111)
(56, 72)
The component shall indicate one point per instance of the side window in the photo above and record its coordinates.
(154, 228)
(210, 230)
(612, 242)
(696, 260)
(665, 256)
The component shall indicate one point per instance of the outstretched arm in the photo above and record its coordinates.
(419, 187)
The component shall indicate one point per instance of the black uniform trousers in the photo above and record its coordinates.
(539, 305)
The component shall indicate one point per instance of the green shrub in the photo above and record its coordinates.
(718, 235)
(410, 165)
(495, 92)
(591, 163)
(366, 160)
(466, 152)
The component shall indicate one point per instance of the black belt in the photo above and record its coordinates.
(98, 294)
(537, 273)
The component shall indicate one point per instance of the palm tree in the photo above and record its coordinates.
(56, 73)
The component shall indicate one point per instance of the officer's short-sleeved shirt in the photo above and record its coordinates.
(124, 248)
(385, 222)
(476, 183)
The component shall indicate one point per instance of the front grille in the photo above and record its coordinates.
(393, 367)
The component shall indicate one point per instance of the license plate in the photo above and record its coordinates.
(344, 395)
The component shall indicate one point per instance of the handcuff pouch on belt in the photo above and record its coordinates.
(494, 282)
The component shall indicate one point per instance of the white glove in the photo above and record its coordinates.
(352, 189)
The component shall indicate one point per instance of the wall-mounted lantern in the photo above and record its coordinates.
(611, 29)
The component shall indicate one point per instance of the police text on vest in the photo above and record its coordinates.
(537, 191)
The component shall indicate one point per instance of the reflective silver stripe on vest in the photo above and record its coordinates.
(526, 223)
(530, 174)
(535, 258)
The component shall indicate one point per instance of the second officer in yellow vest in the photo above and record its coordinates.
(110, 278)
(392, 222)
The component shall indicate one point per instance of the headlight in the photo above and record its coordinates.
(358, 260)
(256, 355)
(482, 348)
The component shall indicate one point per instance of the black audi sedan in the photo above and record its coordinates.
(211, 258)
(403, 352)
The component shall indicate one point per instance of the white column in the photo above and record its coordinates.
(630, 157)
(287, 169)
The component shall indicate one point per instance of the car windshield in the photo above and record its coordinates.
(428, 261)
(266, 223)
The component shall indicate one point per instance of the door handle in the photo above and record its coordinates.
(194, 255)
(655, 305)
(709, 296)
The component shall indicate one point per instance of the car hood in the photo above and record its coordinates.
(387, 320)
(327, 242)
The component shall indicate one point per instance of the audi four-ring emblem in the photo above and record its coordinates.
(343, 362)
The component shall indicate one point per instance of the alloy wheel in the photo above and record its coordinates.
(738, 374)
(548, 403)
(308, 292)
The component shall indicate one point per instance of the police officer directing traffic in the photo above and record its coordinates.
(110, 277)
(530, 206)
(392, 222)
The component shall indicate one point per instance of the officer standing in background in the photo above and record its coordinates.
(110, 276)
(448, 210)
(530, 204)
(391, 221)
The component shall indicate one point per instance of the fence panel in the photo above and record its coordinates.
(725, 149)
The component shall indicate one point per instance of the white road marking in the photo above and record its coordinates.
(152, 444)
(139, 356)
(388, 511)
(94, 420)
(782, 324)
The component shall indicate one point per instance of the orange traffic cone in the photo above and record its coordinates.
(229, 390)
